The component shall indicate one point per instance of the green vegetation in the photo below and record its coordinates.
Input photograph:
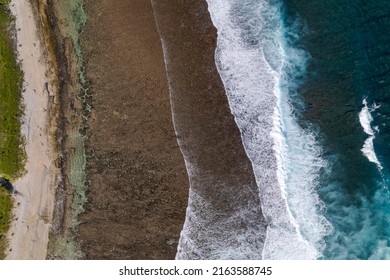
(11, 152)
(11, 155)
(74, 12)
(5, 216)
(66, 246)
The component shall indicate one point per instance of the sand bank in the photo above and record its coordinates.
(28, 235)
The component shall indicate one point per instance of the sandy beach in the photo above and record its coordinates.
(28, 235)
(138, 183)
(222, 183)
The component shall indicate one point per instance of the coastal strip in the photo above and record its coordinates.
(29, 232)
(66, 19)
(11, 142)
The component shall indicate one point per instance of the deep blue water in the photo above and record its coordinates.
(348, 42)
(308, 82)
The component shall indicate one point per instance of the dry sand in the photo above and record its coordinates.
(28, 235)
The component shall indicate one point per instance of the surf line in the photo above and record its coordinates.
(253, 58)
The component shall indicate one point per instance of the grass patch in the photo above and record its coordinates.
(11, 155)
(11, 151)
(5, 216)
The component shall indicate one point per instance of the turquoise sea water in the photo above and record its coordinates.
(309, 85)
(349, 47)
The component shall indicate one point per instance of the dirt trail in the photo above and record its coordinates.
(30, 227)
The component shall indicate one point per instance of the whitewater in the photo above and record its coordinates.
(313, 128)
(365, 119)
(258, 69)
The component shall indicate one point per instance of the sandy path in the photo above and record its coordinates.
(33, 212)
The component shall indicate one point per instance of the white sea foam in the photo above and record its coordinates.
(252, 59)
(211, 231)
(365, 119)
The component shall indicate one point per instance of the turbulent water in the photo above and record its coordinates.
(309, 84)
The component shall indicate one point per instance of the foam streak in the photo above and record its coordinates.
(365, 119)
(252, 62)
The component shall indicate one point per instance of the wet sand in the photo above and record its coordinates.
(224, 210)
(138, 183)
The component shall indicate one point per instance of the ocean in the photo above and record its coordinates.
(345, 94)
(308, 85)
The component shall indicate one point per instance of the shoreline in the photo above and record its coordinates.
(135, 171)
(224, 202)
(32, 214)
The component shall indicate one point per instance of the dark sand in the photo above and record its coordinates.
(139, 186)
(138, 182)
(208, 135)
